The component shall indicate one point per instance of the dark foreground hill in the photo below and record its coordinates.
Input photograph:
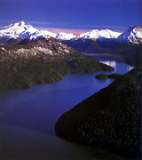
(110, 119)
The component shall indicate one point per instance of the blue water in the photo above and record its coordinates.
(39, 107)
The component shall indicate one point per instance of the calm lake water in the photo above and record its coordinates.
(31, 114)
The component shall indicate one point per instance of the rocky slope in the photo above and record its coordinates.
(29, 62)
(110, 119)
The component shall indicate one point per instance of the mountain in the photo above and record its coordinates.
(133, 35)
(65, 36)
(100, 33)
(40, 61)
(94, 41)
(17, 30)
(107, 41)
(21, 31)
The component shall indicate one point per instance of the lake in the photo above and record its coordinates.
(27, 117)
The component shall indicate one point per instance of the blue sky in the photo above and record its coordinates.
(81, 14)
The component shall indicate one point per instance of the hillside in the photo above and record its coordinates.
(41, 61)
(110, 119)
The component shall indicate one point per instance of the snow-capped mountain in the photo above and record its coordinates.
(132, 35)
(65, 36)
(100, 33)
(21, 30)
(17, 30)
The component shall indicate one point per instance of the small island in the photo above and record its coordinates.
(106, 76)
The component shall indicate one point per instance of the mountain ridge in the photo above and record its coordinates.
(132, 35)
(24, 30)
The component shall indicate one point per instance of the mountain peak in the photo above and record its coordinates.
(20, 23)
(65, 36)
(23, 30)
(132, 35)
(100, 33)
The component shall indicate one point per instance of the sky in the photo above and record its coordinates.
(73, 14)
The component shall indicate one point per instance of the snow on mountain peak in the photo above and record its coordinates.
(18, 30)
(20, 23)
(65, 36)
(100, 33)
(132, 35)
(23, 30)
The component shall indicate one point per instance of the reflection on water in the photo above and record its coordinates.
(39, 107)
(118, 67)
(110, 63)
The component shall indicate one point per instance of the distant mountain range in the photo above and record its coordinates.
(107, 41)
(23, 31)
